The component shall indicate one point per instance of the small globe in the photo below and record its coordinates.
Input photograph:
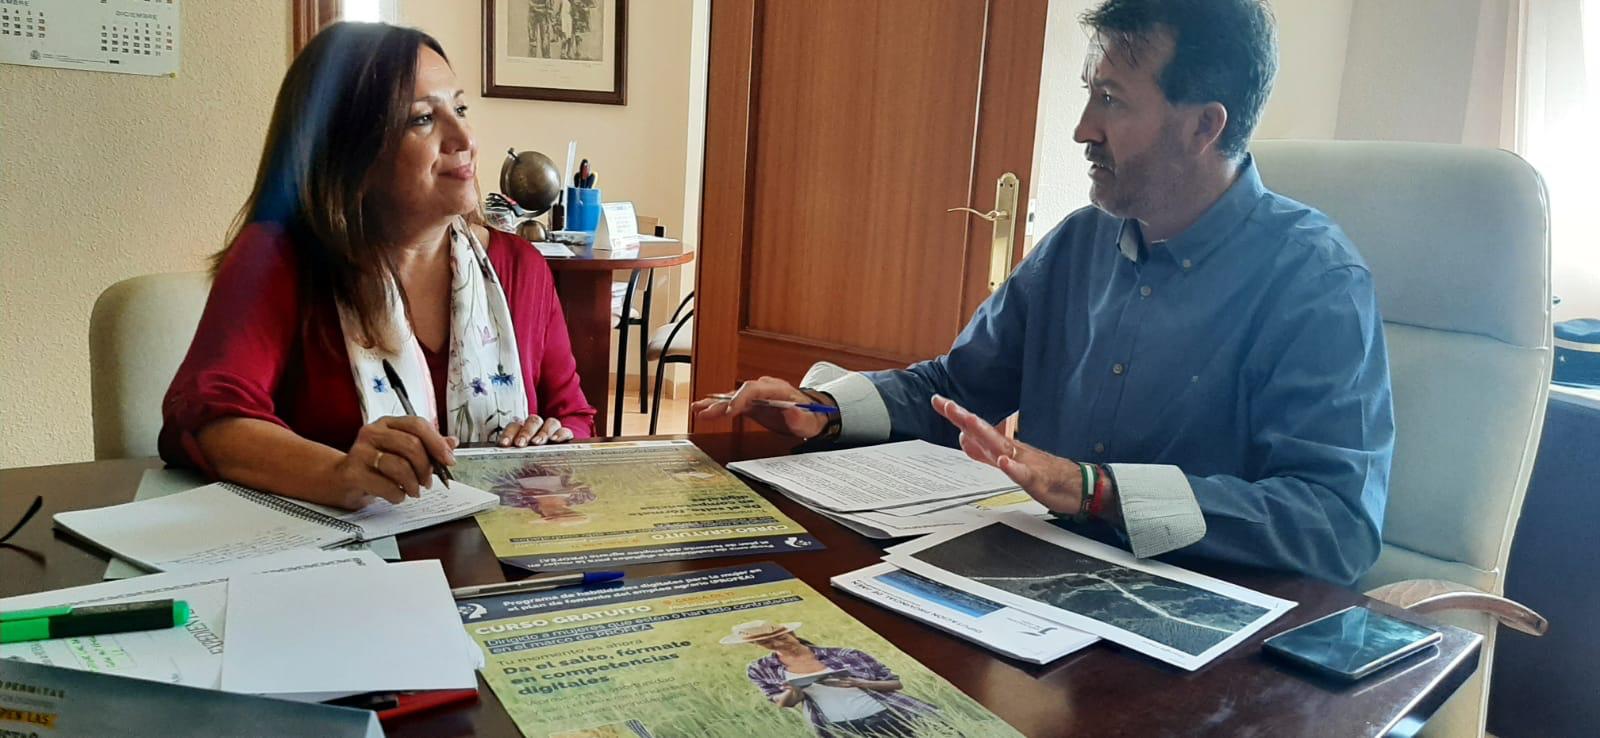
(530, 179)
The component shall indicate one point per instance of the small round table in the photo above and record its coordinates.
(583, 284)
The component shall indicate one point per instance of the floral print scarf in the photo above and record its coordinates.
(484, 391)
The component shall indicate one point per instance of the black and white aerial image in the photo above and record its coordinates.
(1169, 612)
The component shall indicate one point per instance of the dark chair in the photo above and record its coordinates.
(626, 320)
(672, 343)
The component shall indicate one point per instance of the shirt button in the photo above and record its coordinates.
(1118, 369)
(1099, 448)
(1187, 264)
(1145, 291)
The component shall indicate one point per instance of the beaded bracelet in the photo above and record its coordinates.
(1089, 492)
(1103, 484)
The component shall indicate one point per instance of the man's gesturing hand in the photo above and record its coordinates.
(1055, 482)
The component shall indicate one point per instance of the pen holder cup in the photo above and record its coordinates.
(583, 209)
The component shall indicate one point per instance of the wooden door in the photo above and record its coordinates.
(838, 133)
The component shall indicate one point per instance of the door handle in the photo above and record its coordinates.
(991, 216)
(1003, 216)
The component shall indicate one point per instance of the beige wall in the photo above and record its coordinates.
(640, 150)
(1426, 70)
(1312, 35)
(106, 176)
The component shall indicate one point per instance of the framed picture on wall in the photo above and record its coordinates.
(563, 50)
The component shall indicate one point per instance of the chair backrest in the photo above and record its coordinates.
(1458, 242)
(138, 334)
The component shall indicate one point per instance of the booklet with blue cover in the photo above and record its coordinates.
(39, 700)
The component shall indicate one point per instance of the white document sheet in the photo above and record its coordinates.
(191, 655)
(990, 624)
(382, 628)
(437, 504)
(889, 524)
(1172, 614)
(876, 477)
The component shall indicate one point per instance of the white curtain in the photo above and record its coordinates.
(1558, 131)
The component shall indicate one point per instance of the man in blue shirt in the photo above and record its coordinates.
(1212, 348)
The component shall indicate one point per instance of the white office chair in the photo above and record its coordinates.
(1458, 242)
(138, 334)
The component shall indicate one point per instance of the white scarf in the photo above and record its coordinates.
(484, 392)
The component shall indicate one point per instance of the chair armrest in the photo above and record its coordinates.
(1437, 595)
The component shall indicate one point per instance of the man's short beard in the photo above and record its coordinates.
(1160, 171)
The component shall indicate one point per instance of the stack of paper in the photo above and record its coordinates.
(335, 632)
(303, 625)
(894, 490)
(191, 655)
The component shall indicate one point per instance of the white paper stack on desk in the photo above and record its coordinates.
(305, 625)
(894, 490)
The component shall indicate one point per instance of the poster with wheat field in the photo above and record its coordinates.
(724, 653)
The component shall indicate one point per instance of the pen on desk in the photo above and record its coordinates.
(536, 583)
(69, 622)
(814, 407)
(405, 402)
(390, 705)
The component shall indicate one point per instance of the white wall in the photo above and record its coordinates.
(1060, 175)
(108, 176)
(1305, 102)
(639, 150)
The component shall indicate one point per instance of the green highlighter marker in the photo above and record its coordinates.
(69, 622)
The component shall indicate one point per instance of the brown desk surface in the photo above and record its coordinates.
(1103, 690)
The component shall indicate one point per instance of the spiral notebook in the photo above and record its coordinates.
(226, 522)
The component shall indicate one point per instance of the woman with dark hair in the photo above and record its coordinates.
(359, 249)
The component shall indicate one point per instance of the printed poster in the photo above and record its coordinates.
(606, 505)
(724, 653)
(1172, 614)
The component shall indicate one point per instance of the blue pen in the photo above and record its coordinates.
(786, 405)
(537, 583)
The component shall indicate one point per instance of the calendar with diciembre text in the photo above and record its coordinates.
(123, 36)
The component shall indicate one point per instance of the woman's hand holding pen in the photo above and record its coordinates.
(392, 458)
(751, 401)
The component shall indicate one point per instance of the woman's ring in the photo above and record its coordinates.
(376, 460)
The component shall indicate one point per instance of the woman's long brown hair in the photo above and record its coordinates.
(344, 101)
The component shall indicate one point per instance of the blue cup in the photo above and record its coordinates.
(583, 209)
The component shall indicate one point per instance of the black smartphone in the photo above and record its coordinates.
(1351, 643)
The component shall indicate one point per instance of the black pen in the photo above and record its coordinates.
(405, 402)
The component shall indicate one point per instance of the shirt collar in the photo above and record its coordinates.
(1202, 237)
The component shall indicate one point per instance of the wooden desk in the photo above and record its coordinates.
(1101, 691)
(583, 283)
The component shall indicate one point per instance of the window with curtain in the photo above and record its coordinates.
(1558, 131)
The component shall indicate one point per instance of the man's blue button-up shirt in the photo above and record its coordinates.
(1243, 358)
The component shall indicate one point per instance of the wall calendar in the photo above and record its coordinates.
(122, 36)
